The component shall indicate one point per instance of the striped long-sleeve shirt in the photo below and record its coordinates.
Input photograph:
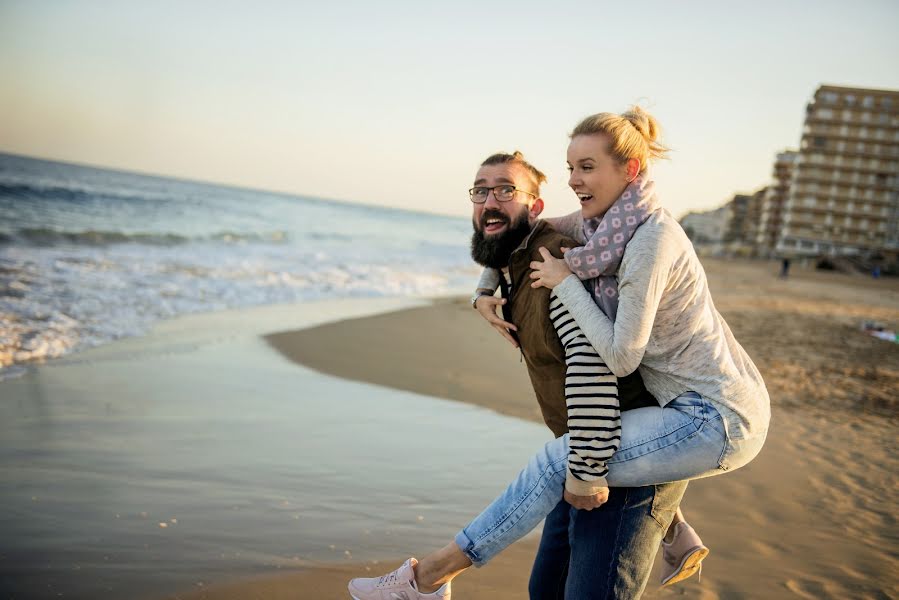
(591, 396)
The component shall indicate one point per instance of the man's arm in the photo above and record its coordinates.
(489, 280)
(487, 304)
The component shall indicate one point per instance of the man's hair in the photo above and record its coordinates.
(534, 174)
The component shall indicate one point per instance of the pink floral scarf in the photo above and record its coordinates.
(598, 260)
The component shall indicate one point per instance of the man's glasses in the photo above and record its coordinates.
(502, 193)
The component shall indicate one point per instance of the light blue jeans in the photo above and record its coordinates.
(688, 438)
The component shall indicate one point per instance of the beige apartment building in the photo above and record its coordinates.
(773, 202)
(843, 196)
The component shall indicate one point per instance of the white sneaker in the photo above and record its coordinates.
(683, 556)
(397, 585)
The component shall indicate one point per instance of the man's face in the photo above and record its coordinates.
(500, 227)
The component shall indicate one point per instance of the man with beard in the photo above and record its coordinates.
(603, 553)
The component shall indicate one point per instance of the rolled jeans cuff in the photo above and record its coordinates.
(466, 545)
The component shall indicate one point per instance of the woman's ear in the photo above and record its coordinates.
(633, 168)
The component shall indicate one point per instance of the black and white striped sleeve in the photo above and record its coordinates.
(591, 395)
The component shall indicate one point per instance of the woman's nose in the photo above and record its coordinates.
(573, 181)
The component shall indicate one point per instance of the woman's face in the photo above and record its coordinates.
(595, 176)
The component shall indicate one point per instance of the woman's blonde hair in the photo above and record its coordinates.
(632, 134)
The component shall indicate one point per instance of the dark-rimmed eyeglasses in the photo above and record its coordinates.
(502, 193)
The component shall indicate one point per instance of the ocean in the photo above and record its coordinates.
(90, 255)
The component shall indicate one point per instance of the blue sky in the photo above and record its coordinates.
(396, 103)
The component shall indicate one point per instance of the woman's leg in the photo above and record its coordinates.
(684, 440)
(656, 443)
(534, 493)
(687, 439)
(526, 501)
(440, 567)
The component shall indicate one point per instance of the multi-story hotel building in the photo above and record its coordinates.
(844, 193)
(773, 202)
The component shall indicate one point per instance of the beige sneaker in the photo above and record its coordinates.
(396, 585)
(683, 556)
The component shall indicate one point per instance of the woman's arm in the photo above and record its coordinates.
(640, 287)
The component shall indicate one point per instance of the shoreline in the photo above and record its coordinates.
(217, 378)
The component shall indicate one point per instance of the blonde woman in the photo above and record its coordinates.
(634, 297)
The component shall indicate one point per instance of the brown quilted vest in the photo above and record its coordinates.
(540, 346)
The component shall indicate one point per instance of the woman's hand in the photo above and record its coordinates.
(487, 307)
(549, 273)
(587, 502)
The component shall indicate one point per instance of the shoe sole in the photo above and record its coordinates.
(688, 566)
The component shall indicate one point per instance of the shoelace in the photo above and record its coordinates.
(389, 578)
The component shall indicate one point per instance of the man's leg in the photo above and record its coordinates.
(551, 563)
(613, 547)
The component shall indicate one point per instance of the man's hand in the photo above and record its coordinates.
(549, 273)
(487, 306)
(587, 502)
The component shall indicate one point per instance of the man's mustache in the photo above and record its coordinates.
(491, 213)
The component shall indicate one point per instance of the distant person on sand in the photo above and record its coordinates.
(785, 268)
(644, 303)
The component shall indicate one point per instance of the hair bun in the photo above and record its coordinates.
(644, 122)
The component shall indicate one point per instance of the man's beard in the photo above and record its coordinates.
(494, 251)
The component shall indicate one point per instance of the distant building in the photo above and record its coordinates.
(750, 230)
(707, 228)
(773, 202)
(844, 194)
(739, 208)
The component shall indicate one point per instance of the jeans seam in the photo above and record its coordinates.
(723, 455)
(658, 437)
(560, 585)
(683, 439)
(611, 579)
(514, 508)
(654, 510)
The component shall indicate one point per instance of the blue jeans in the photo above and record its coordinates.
(606, 553)
(686, 439)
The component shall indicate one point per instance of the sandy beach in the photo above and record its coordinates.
(812, 517)
(199, 461)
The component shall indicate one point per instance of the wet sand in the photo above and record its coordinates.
(814, 516)
(206, 423)
(200, 455)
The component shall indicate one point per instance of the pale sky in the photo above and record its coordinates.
(396, 103)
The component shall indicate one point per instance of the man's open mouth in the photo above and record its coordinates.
(494, 224)
(584, 198)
